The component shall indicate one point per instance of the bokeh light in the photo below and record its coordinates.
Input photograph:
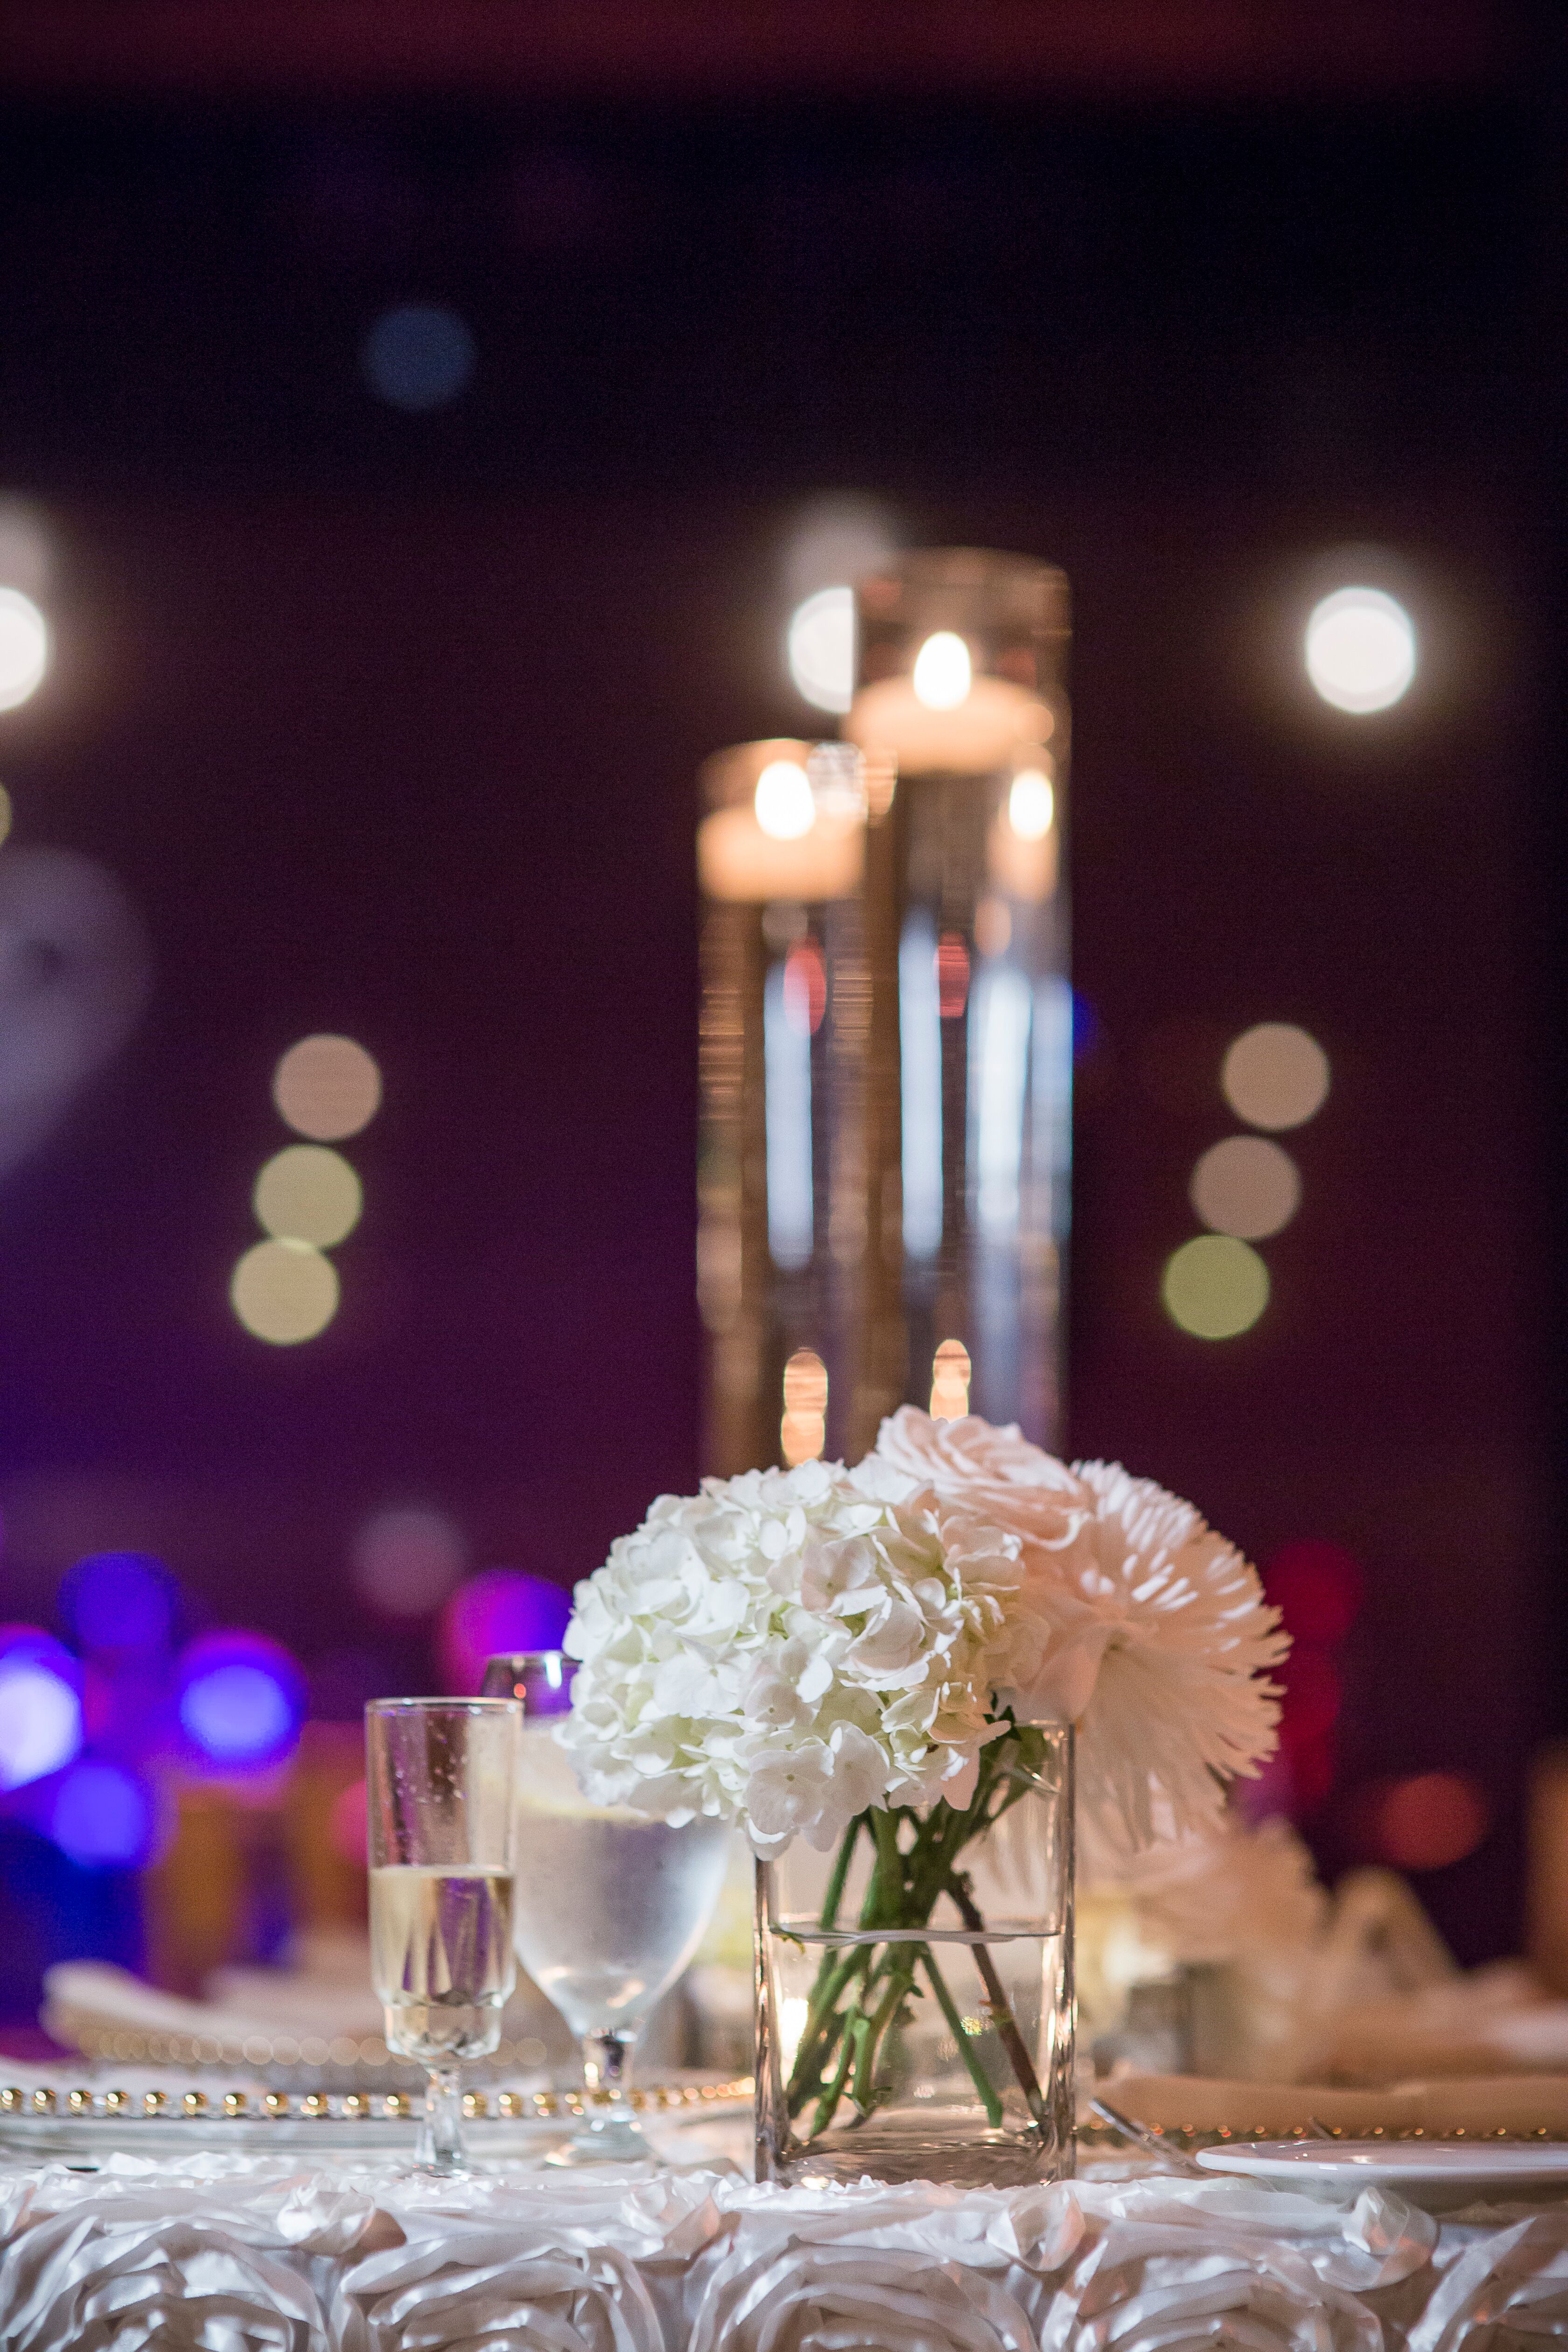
(103, 1817)
(122, 1602)
(500, 1609)
(406, 1559)
(1361, 649)
(943, 672)
(1275, 1075)
(241, 1699)
(418, 356)
(1031, 804)
(819, 648)
(1214, 1287)
(24, 647)
(951, 976)
(803, 1432)
(949, 1371)
(40, 1706)
(1245, 1186)
(785, 808)
(327, 1087)
(308, 1192)
(284, 1292)
(1317, 1587)
(806, 987)
(1426, 1821)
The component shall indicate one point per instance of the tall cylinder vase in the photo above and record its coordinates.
(962, 656)
(886, 1033)
(914, 1988)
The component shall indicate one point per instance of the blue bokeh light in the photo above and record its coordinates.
(119, 1601)
(40, 1706)
(418, 356)
(241, 1699)
(102, 1817)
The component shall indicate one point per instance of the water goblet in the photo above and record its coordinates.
(608, 1905)
(441, 1780)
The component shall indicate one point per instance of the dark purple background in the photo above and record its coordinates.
(391, 725)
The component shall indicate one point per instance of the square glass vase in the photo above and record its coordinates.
(914, 1988)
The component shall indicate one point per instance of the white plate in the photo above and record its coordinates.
(1433, 2173)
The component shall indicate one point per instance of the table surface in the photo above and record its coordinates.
(275, 2255)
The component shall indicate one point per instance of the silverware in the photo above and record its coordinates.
(1173, 2158)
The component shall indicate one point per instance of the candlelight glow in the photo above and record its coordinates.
(785, 808)
(1031, 804)
(950, 1372)
(942, 671)
(803, 1432)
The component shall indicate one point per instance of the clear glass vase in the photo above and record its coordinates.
(914, 2016)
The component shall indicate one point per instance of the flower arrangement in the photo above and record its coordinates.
(830, 1654)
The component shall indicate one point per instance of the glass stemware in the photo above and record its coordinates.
(608, 1905)
(441, 1780)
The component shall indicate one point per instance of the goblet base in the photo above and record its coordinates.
(612, 2139)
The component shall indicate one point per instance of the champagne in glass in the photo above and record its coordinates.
(608, 1905)
(441, 1777)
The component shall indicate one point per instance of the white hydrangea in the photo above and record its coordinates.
(787, 1648)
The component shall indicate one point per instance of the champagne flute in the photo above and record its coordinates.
(608, 1905)
(441, 1775)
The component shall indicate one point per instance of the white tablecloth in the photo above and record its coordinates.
(231, 2253)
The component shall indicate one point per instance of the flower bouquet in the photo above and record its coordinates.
(878, 1672)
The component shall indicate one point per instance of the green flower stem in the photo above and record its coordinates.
(948, 2007)
(1002, 2016)
(835, 1895)
(844, 2044)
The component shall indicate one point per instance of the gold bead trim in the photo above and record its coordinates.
(1187, 2136)
(398, 2106)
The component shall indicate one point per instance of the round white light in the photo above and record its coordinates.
(327, 1087)
(1275, 1075)
(1031, 804)
(785, 808)
(1361, 649)
(943, 672)
(819, 647)
(284, 1292)
(24, 647)
(1214, 1287)
(307, 1193)
(1245, 1186)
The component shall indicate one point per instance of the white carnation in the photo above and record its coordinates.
(787, 1648)
(1159, 1640)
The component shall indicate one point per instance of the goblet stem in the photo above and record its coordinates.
(609, 2133)
(607, 2066)
(440, 2145)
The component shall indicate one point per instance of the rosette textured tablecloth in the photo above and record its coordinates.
(221, 2254)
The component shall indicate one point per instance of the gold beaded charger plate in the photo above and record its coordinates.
(83, 2124)
(1433, 2173)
